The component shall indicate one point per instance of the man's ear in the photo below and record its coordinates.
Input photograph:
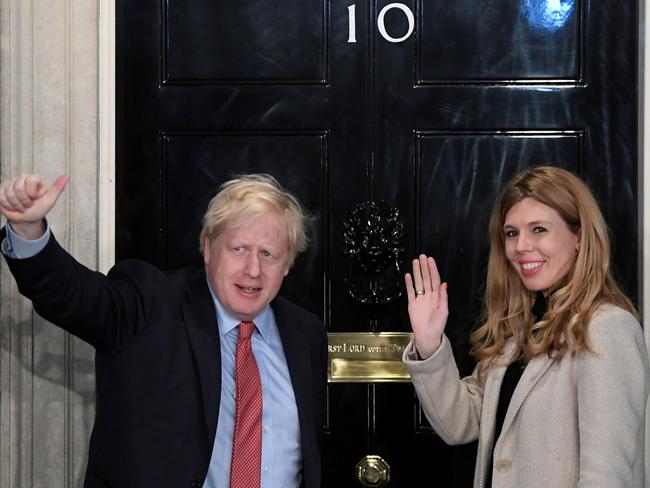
(206, 250)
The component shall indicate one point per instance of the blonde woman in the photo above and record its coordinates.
(559, 392)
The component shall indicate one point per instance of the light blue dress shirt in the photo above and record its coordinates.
(281, 454)
(16, 247)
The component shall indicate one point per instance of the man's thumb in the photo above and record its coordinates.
(59, 184)
(50, 195)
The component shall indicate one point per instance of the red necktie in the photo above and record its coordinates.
(247, 440)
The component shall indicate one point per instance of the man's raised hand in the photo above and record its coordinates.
(25, 200)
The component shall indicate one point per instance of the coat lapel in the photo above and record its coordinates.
(201, 321)
(531, 375)
(491, 395)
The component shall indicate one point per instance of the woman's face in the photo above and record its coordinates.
(539, 244)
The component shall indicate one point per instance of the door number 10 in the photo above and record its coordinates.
(352, 24)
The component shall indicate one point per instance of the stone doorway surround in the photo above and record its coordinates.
(57, 75)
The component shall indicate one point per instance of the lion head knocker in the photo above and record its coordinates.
(373, 236)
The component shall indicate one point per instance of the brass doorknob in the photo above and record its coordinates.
(373, 471)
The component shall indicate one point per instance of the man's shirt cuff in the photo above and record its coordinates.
(16, 247)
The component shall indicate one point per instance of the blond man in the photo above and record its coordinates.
(185, 397)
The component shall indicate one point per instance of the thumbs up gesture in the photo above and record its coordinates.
(25, 200)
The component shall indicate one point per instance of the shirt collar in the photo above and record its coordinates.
(227, 322)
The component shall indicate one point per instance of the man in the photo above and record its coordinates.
(181, 401)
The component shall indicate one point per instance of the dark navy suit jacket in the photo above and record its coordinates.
(158, 365)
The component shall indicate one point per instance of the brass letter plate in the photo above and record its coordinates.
(367, 357)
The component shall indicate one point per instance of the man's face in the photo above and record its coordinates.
(246, 265)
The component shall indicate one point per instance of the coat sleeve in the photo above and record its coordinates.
(612, 392)
(452, 405)
(105, 311)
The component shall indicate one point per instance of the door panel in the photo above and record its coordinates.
(498, 41)
(234, 43)
(432, 125)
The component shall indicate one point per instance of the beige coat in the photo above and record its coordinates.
(578, 422)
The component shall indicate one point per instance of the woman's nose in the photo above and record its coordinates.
(523, 242)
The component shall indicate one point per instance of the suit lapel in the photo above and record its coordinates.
(201, 323)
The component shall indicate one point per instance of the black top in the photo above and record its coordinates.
(510, 380)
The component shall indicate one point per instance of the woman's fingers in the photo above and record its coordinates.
(433, 273)
(417, 276)
(425, 280)
(426, 275)
(410, 292)
(427, 304)
(443, 302)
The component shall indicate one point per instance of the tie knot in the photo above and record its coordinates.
(246, 330)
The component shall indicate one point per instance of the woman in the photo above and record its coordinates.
(559, 392)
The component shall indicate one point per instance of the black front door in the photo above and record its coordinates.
(425, 105)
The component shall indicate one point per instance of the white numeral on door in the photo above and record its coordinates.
(382, 27)
(352, 22)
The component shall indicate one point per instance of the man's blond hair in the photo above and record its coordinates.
(249, 196)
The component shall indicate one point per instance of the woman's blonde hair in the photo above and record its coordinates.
(249, 196)
(589, 283)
